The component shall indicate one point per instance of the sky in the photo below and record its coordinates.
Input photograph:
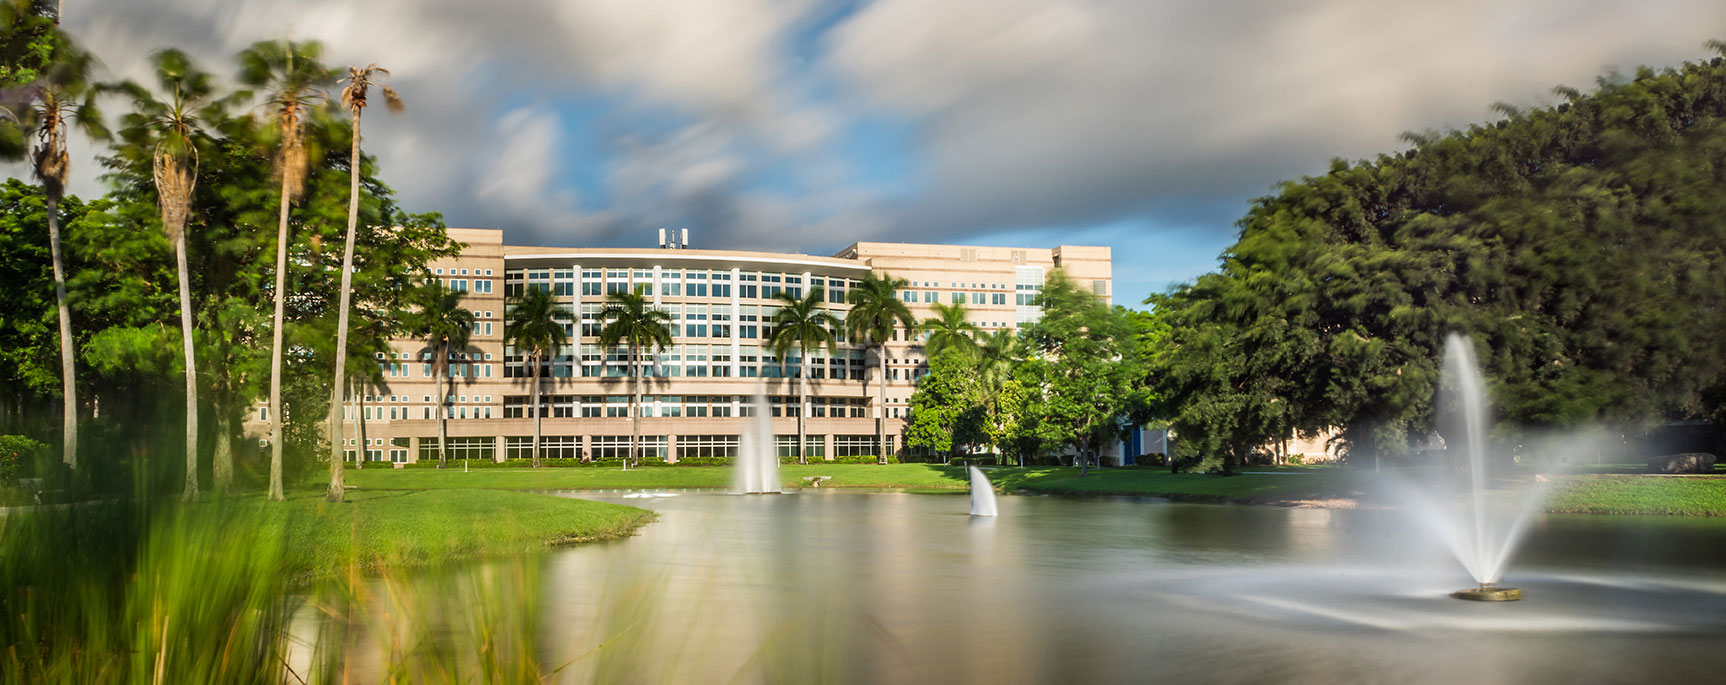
(800, 125)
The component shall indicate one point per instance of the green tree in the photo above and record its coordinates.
(62, 96)
(945, 406)
(293, 84)
(1577, 244)
(630, 319)
(876, 313)
(445, 326)
(802, 324)
(166, 133)
(533, 328)
(354, 98)
(1083, 368)
(950, 329)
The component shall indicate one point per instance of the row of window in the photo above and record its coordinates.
(677, 406)
(930, 296)
(653, 446)
(671, 283)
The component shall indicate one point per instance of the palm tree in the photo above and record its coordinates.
(632, 320)
(802, 323)
(293, 83)
(354, 98)
(64, 96)
(371, 338)
(532, 327)
(950, 331)
(444, 326)
(876, 311)
(997, 356)
(168, 132)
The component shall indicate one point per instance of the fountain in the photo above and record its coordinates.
(982, 495)
(1482, 536)
(757, 455)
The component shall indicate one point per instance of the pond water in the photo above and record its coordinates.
(895, 587)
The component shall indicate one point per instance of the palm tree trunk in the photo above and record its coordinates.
(442, 416)
(334, 493)
(635, 406)
(68, 362)
(222, 461)
(191, 489)
(802, 404)
(534, 358)
(276, 418)
(881, 406)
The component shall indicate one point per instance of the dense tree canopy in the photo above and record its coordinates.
(1579, 245)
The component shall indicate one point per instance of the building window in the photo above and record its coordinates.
(706, 446)
(813, 446)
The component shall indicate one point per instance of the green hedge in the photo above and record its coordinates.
(618, 463)
(16, 454)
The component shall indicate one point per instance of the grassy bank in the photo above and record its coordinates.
(418, 528)
(1284, 484)
(1643, 495)
(1589, 494)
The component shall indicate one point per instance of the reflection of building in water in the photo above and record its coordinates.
(696, 392)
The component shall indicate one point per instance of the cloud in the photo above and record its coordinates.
(759, 123)
(1037, 113)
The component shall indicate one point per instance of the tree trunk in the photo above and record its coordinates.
(68, 362)
(442, 416)
(881, 406)
(276, 418)
(802, 404)
(634, 407)
(334, 493)
(534, 359)
(222, 461)
(186, 329)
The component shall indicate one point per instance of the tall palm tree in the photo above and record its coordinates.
(532, 327)
(63, 97)
(354, 95)
(293, 84)
(630, 319)
(997, 354)
(166, 133)
(371, 338)
(445, 327)
(876, 311)
(950, 331)
(802, 324)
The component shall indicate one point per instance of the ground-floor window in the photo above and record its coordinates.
(706, 446)
(853, 445)
(813, 446)
(472, 448)
(550, 447)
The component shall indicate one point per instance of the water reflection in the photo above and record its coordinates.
(825, 586)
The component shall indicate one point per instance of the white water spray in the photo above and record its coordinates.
(982, 494)
(757, 455)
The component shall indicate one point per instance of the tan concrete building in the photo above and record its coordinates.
(698, 391)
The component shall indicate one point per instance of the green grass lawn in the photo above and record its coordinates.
(1645, 494)
(1302, 484)
(1602, 494)
(418, 528)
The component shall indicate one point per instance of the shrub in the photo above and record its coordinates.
(1296, 459)
(1151, 459)
(18, 453)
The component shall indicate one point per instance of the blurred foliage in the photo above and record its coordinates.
(1579, 245)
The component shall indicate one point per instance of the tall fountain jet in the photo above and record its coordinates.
(982, 495)
(757, 455)
(1482, 534)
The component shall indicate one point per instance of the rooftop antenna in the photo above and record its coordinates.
(662, 238)
(685, 239)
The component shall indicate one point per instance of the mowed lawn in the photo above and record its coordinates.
(374, 529)
(1282, 484)
(1583, 494)
(1640, 494)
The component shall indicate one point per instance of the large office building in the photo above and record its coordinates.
(698, 393)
